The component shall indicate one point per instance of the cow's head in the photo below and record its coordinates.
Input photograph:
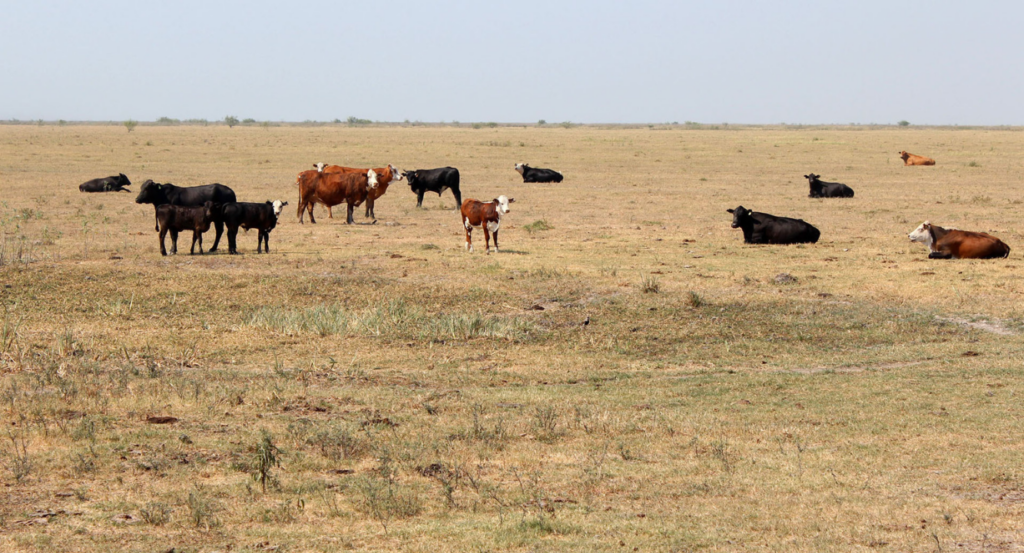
(521, 167)
(371, 179)
(904, 155)
(410, 177)
(923, 234)
(396, 173)
(278, 206)
(123, 179)
(208, 209)
(149, 193)
(503, 202)
(812, 177)
(739, 215)
(319, 167)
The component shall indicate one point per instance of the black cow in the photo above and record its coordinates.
(536, 174)
(193, 196)
(176, 218)
(262, 217)
(822, 189)
(438, 180)
(107, 184)
(761, 228)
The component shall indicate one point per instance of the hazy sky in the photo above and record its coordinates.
(937, 62)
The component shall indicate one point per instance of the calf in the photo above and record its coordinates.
(194, 196)
(911, 159)
(262, 217)
(176, 218)
(334, 188)
(822, 189)
(107, 184)
(958, 244)
(486, 215)
(536, 174)
(762, 228)
(438, 180)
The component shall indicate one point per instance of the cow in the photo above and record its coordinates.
(108, 184)
(911, 159)
(384, 177)
(438, 180)
(536, 174)
(332, 189)
(486, 215)
(822, 189)
(192, 196)
(176, 218)
(762, 228)
(262, 217)
(952, 243)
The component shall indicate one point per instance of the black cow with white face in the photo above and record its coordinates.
(262, 217)
(762, 228)
(822, 189)
(193, 196)
(437, 180)
(537, 174)
(116, 183)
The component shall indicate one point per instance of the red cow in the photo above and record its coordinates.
(332, 189)
(911, 159)
(958, 244)
(486, 215)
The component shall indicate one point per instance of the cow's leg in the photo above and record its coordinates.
(458, 198)
(233, 240)
(302, 209)
(157, 220)
(940, 255)
(469, 234)
(330, 212)
(487, 238)
(369, 207)
(196, 237)
(419, 198)
(266, 241)
(216, 240)
(310, 207)
(163, 250)
(174, 242)
(351, 208)
(495, 234)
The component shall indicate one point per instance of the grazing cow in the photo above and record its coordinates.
(486, 215)
(822, 189)
(192, 196)
(536, 174)
(176, 218)
(951, 243)
(761, 228)
(108, 184)
(332, 189)
(384, 177)
(262, 217)
(438, 180)
(911, 159)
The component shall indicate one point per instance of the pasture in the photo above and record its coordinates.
(376, 387)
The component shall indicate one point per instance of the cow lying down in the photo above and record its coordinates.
(762, 228)
(958, 244)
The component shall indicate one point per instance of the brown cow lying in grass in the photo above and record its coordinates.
(176, 218)
(486, 215)
(958, 244)
(911, 159)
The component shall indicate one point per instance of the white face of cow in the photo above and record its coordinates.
(278, 206)
(922, 234)
(320, 167)
(503, 203)
(396, 173)
(371, 179)
(520, 167)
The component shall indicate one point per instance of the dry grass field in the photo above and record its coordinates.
(376, 387)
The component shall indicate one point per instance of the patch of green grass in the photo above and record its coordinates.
(537, 226)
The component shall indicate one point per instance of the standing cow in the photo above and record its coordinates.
(262, 217)
(176, 218)
(762, 228)
(438, 180)
(107, 184)
(307, 180)
(193, 196)
(486, 215)
(332, 189)
(536, 174)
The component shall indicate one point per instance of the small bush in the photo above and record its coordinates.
(649, 284)
(695, 300)
(231, 121)
(130, 125)
(202, 510)
(353, 121)
(904, 123)
(542, 122)
(156, 513)
(265, 460)
(167, 121)
(974, 164)
(537, 226)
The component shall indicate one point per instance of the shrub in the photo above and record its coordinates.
(649, 284)
(537, 226)
(904, 123)
(231, 121)
(353, 121)
(130, 125)
(266, 459)
(542, 122)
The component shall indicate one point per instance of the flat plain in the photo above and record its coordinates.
(376, 387)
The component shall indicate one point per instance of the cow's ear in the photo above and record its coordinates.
(730, 210)
(284, 204)
(510, 200)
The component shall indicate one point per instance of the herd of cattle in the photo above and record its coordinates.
(196, 208)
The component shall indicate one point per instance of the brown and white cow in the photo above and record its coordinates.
(911, 159)
(486, 215)
(958, 244)
(306, 181)
(332, 189)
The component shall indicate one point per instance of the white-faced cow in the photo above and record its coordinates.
(116, 183)
(486, 215)
(537, 174)
(176, 218)
(262, 217)
(762, 228)
(332, 189)
(438, 180)
(822, 189)
(193, 196)
(952, 243)
(306, 180)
